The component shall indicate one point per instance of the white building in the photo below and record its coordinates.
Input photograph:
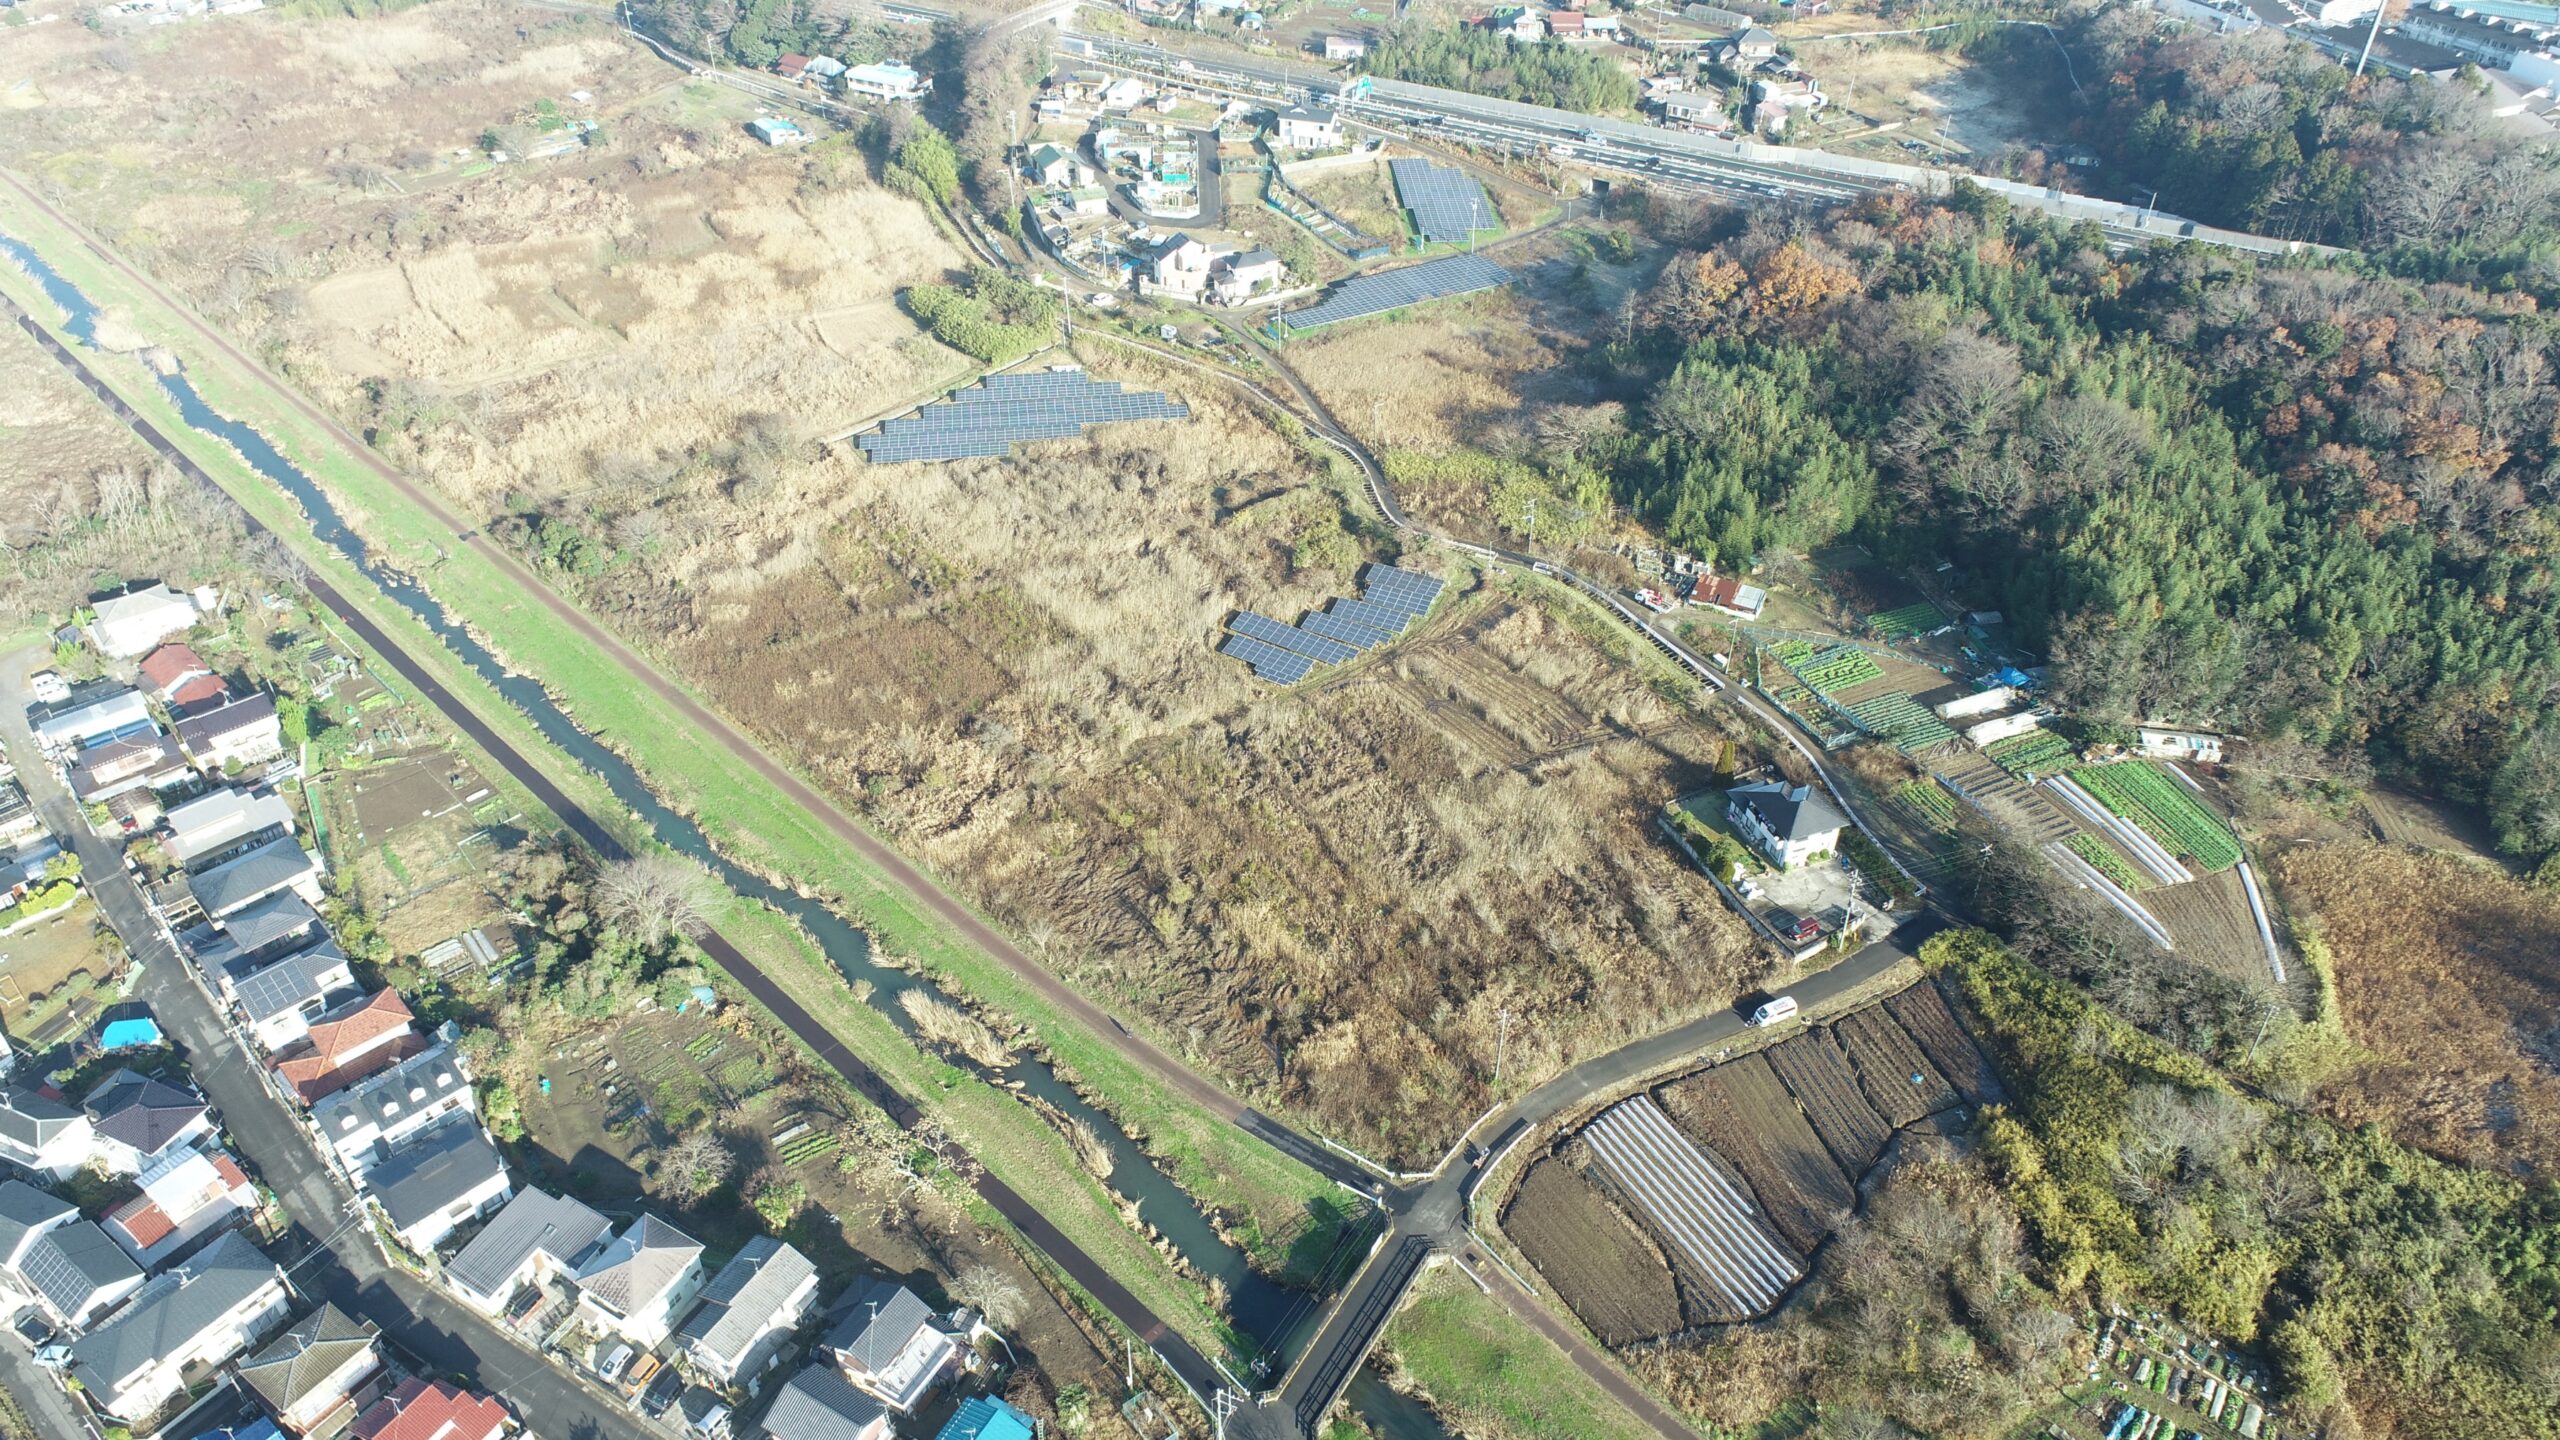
(438, 1182)
(366, 1121)
(93, 713)
(131, 624)
(226, 819)
(1790, 824)
(185, 1322)
(639, 1284)
(749, 1309)
(2160, 743)
(1309, 127)
(186, 1195)
(889, 1345)
(43, 1136)
(537, 1238)
(885, 81)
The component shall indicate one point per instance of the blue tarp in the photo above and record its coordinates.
(2013, 677)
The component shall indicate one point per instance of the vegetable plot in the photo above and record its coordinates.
(2142, 793)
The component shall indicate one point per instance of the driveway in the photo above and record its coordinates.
(327, 1251)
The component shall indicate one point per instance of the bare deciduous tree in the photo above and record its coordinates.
(653, 895)
(992, 1293)
(695, 1166)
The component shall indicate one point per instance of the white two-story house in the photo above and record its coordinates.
(1789, 824)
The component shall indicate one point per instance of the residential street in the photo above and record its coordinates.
(439, 1332)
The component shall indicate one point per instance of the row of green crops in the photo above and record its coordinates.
(2105, 861)
(2144, 794)
(2037, 750)
(1903, 721)
(1929, 803)
(1917, 619)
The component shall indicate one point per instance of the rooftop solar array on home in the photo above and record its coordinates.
(1008, 409)
(1288, 637)
(1334, 627)
(1269, 662)
(1408, 590)
(1394, 289)
(1447, 204)
(1373, 615)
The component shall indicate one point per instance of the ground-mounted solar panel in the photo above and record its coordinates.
(1005, 410)
(1386, 290)
(1318, 648)
(1348, 631)
(1448, 205)
(1269, 662)
(1406, 590)
(1376, 617)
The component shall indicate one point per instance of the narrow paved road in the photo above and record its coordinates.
(329, 1252)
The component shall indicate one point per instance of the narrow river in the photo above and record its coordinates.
(1271, 1321)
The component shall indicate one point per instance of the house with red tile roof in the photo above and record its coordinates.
(170, 666)
(198, 695)
(184, 1198)
(347, 1044)
(422, 1411)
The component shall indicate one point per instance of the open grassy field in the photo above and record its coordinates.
(2448, 989)
(1491, 1376)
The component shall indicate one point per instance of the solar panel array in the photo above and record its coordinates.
(1286, 654)
(1395, 289)
(1448, 205)
(1008, 409)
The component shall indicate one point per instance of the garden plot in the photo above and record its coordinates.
(1923, 1014)
(1743, 1113)
(2143, 793)
(1690, 1200)
(2210, 918)
(1819, 1076)
(1899, 1080)
(1603, 1266)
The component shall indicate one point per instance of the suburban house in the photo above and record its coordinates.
(280, 998)
(179, 1325)
(1181, 266)
(93, 713)
(136, 1121)
(749, 1310)
(146, 760)
(1051, 165)
(1125, 93)
(793, 68)
(1696, 110)
(1086, 202)
(538, 1236)
(419, 1410)
(776, 131)
(1344, 47)
(1243, 276)
(439, 1182)
(1754, 45)
(358, 1038)
(18, 818)
(1520, 23)
(315, 1374)
(170, 666)
(1725, 593)
(640, 1283)
(207, 829)
(197, 695)
(186, 1195)
(1788, 823)
(885, 81)
(1567, 25)
(130, 624)
(275, 866)
(252, 936)
(984, 1417)
(43, 1135)
(244, 731)
(1309, 127)
(368, 1120)
(2160, 743)
(52, 1258)
(889, 1345)
(824, 68)
(819, 1404)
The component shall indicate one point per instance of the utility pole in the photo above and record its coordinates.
(1222, 1405)
(2370, 32)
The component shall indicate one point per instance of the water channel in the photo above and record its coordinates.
(1272, 1320)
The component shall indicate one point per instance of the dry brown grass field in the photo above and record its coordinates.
(52, 435)
(2448, 978)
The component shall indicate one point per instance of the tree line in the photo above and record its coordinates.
(1487, 62)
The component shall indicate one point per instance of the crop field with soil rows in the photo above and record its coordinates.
(1824, 1084)
(1886, 1060)
(2037, 750)
(1596, 1257)
(1909, 620)
(1741, 1112)
(1923, 1014)
(2145, 794)
(2105, 861)
(1929, 803)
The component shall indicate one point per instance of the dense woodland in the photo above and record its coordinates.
(2304, 502)
(1493, 64)
(2259, 131)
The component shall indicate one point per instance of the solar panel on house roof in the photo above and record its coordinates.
(1269, 662)
(1349, 632)
(1376, 617)
(1318, 648)
(1005, 410)
(1447, 204)
(1406, 590)
(1393, 289)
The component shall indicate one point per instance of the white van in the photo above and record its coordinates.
(1781, 1009)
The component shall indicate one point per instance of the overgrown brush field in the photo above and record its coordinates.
(2448, 988)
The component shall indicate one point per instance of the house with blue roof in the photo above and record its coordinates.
(984, 1417)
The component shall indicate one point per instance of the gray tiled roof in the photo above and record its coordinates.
(303, 1358)
(262, 923)
(23, 1208)
(880, 1317)
(72, 1264)
(433, 1170)
(142, 1112)
(645, 1259)
(554, 1224)
(32, 1120)
(746, 1296)
(820, 1404)
(169, 1312)
(263, 871)
(209, 729)
(1792, 811)
(289, 983)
